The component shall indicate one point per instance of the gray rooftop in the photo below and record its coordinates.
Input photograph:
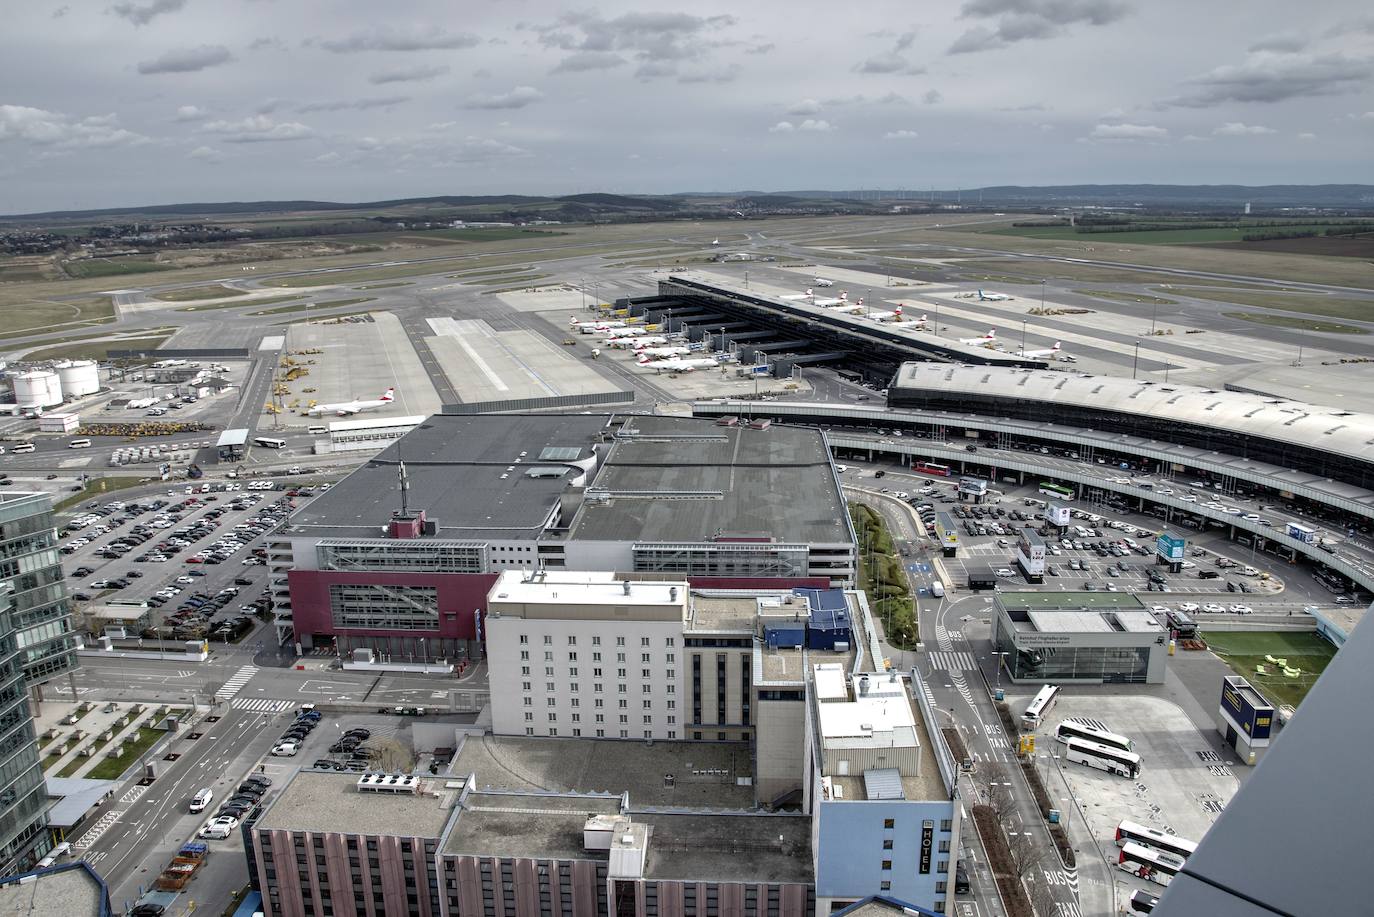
(728, 847)
(1051, 601)
(1319, 861)
(75, 796)
(65, 891)
(594, 766)
(1330, 429)
(330, 802)
(525, 825)
(660, 479)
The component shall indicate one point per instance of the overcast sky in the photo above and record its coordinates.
(158, 101)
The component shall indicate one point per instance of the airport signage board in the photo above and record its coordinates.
(976, 487)
(1171, 547)
(1057, 513)
(1255, 722)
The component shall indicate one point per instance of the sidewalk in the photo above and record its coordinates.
(93, 726)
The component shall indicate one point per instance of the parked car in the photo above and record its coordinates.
(286, 749)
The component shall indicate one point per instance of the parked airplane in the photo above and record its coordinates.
(850, 308)
(715, 241)
(679, 366)
(822, 282)
(647, 354)
(1052, 353)
(630, 332)
(986, 340)
(345, 408)
(827, 303)
(992, 297)
(638, 343)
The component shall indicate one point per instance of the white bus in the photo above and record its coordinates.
(1128, 832)
(268, 442)
(79, 444)
(1040, 707)
(23, 447)
(1082, 727)
(1151, 865)
(1111, 760)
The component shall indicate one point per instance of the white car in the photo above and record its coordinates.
(840, 468)
(1188, 607)
(1002, 572)
(220, 827)
(1212, 608)
(185, 580)
(1160, 609)
(1241, 610)
(1187, 565)
(286, 749)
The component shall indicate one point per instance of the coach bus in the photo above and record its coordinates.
(931, 468)
(268, 442)
(1040, 707)
(1091, 730)
(1128, 832)
(1111, 760)
(1063, 492)
(1151, 865)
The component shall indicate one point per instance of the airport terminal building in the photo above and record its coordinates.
(1083, 637)
(399, 556)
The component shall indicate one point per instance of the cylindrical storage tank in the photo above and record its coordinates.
(42, 388)
(79, 377)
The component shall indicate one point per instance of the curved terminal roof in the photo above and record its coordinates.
(1329, 429)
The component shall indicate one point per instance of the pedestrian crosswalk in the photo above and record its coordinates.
(236, 683)
(261, 704)
(952, 661)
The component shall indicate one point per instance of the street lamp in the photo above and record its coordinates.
(1135, 360)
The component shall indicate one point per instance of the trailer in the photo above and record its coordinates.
(184, 865)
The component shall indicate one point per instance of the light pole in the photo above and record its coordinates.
(1023, 334)
(999, 657)
(1154, 313)
(1135, 360)
(937, 318)
(1042, 301)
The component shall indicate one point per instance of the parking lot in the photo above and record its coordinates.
(1186, 776)
(195, 559)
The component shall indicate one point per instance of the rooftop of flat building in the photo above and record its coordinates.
(526, 825)
(70, 890)
(585, 590)
(1069, 601)
(647, 478)
(887, 719)
(331, 802)
(721, 612)
(704, 775)
(731, 847)
(783, 665)
(881, 906)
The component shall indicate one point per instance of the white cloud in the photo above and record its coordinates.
(804, 107)
(415, 38)
(585, 61)
(187, 60)
(44, 128)
(518, 97)
(1128, 132)
(1307, 135)
(205, 154)
(189, 113)
(414, 74)
(901, 135)
(1240, 129)
(782, 127)
(327, 158)
(819, 126)
(258, 129)
(1356, 116)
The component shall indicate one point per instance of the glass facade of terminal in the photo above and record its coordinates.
(1123, 665)
(405, 555)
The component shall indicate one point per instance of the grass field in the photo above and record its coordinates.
(1330, 306)
(386, 286)
(111, 768)
(236, 304)
(96, 350)
(36, 316)
(1292, 321)
(495, 234)
(1119, 296)
(96, 490)
(1032, 271)
(1244, 650)
(190, 294)
(1181, 236)
(327, 304)
(112, 267)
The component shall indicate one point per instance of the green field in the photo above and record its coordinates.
(190, 294)
(97, 489)
(96, 350)
(25, 317)
(495, 234)
(110, 267)
(241, 305)
(1244, 650)
(1032, 271)
(385, 286)
(111, 768)
(1292, 321)
(327, 304)
(1119, 296)
(1330, 306)
(1181, 236)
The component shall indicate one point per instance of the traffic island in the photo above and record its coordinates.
(1004, 872)
(884, 580)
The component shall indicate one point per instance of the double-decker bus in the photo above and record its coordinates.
(1151, 865)
(1090, 730)
(1051, 489)
(1040, 707)
(1102, 757)
(1128, 832)
(931, 468)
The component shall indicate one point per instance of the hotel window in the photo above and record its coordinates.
(548, 640)
(643, 641)
(596, 641)
(572, 640)
(619, 641)
(572, 672)
(648, 705)
(524, 639)
(524, 655)
(524, 685)
(573, 686)
(669, 641)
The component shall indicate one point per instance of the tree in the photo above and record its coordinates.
(1026, 853)
(1042, 896)
(392, 756)
(998, 791)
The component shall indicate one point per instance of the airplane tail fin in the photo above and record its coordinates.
(389, 396)
(992, 333)
(1055, 348)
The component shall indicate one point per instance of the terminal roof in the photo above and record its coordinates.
(1051, 601)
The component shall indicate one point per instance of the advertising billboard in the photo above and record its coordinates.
(975, 487)
(1170, 547)
(1247, 708)
(1057, 513)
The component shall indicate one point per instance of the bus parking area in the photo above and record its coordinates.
(1185, 780)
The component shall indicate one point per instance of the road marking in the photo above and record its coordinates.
(952, 661)
(236, 683)
(135, 791)
(261, 704)
(99, 828)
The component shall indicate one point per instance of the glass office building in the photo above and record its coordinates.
(29, 562)
(1084, 637)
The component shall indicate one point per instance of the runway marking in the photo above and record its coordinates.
(236, 683)
(261, 704)
(453, 332)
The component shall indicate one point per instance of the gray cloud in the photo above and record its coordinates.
(189, 113)
(657, 41)
(1266, 76)
(144, 13)
(1241, 129)
(413, 39)
(725, 74)
(44, 128)
(901, 135)
(804, 107)
(518, 97)
(584, 61)
(761, 49)
(932, 97)
(187, 60)
(1285, 43)
(416, 74)
(352, 104)
(892, 61)
(1029, 20)
(206, 154)
(258, 129)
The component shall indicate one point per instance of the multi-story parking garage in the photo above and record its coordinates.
(1286, 511)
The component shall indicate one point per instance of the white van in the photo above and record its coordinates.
(317, 430)
(202, 800)
(937, 589)
(79, 444)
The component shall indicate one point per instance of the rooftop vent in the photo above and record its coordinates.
(389, 783)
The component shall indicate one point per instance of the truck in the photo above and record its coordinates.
(1302, 533)
(184, 865)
